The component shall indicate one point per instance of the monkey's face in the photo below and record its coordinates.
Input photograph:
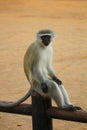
(46, 39)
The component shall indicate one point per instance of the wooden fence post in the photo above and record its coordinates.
(40, 105)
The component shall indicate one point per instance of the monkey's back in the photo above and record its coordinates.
(30, 59)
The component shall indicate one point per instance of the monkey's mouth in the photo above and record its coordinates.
(46, 43)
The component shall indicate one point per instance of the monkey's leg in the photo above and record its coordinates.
(65, 95)
(68, 103)
(55, 93)
(38, 89)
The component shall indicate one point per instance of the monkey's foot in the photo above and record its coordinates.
(68, 108)
(78, 108)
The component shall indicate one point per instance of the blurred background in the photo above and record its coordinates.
(19, 22)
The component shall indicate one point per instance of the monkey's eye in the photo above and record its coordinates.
(46, 39)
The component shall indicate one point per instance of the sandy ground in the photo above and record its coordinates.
(19, 21)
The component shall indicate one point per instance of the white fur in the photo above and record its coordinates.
(38, 69)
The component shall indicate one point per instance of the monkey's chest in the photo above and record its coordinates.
(43, 61)
(43, 66)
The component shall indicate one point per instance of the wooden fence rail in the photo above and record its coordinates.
(53, 112)
(42, 113)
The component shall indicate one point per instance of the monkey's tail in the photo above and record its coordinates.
(11, 104)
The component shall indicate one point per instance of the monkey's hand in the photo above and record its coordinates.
(44, 87)
(59, 82)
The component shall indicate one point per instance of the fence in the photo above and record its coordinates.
(42, 113)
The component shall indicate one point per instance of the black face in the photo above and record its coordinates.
(46, 39)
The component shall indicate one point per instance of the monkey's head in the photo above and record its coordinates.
(45, 37)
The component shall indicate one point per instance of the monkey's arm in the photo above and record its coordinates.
(58, 81)
(53, 76)
(38, 75)
(40, 79)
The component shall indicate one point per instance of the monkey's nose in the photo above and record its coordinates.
(46, 42)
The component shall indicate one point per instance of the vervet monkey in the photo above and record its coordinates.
(40, 74)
